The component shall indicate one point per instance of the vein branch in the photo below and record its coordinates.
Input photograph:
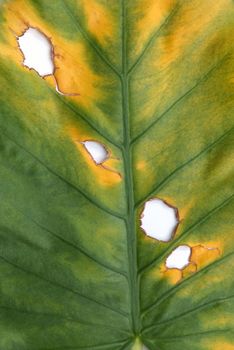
(89, 40)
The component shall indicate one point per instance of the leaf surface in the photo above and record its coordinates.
(153, 82)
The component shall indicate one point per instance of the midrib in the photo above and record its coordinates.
(130, 218)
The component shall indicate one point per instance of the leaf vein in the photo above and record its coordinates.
(81, 250)
(151, 40)
(82, 192)
(201, 80)
(188, 312)
(90, 41)
(177, 287)
(204, 150)
(196, 334)
(57, 316)
(88, 121)
(200, 221)
(56, 284)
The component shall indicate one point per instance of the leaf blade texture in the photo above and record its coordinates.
(153, 83)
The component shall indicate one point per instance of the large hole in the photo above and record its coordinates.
(179, 258)
(97, 151)
(159, 220)
(38, 52)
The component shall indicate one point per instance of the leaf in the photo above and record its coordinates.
(154, 85)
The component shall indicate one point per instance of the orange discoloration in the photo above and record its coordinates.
(111, 163)
(77, 134)
(189, 270)
(151, 15)
(202, 256)
(219, 345)
(72, 56)
(100, 21)
(173, 275)
(197, 19)
(211, 244)
(19, 15)
(68, 56)
(223, 320)
(141, 165)
(105, 174)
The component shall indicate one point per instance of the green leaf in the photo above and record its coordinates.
(153, 82)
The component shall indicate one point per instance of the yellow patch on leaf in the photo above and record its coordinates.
(141, 165)
(191, 16)
(183, 211)
(189, 270)
(100, 21)
(102, 173)
(151, 15)
(69, 56)
(77, 134)
(105, 174)
(202, 256)
(173, 275)
(219, 345)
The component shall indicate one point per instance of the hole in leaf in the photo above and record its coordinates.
(159, 220)
(37, 51)
(186, 260)
(97, 151)
(179, 258)
(38, 54)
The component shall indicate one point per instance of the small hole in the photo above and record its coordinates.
(97, 151)
(37, 51)
(159, 220)
(179, 258)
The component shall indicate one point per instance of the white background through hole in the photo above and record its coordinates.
(159, 220)
(37, 51)
(179, 258)
(96, 150)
